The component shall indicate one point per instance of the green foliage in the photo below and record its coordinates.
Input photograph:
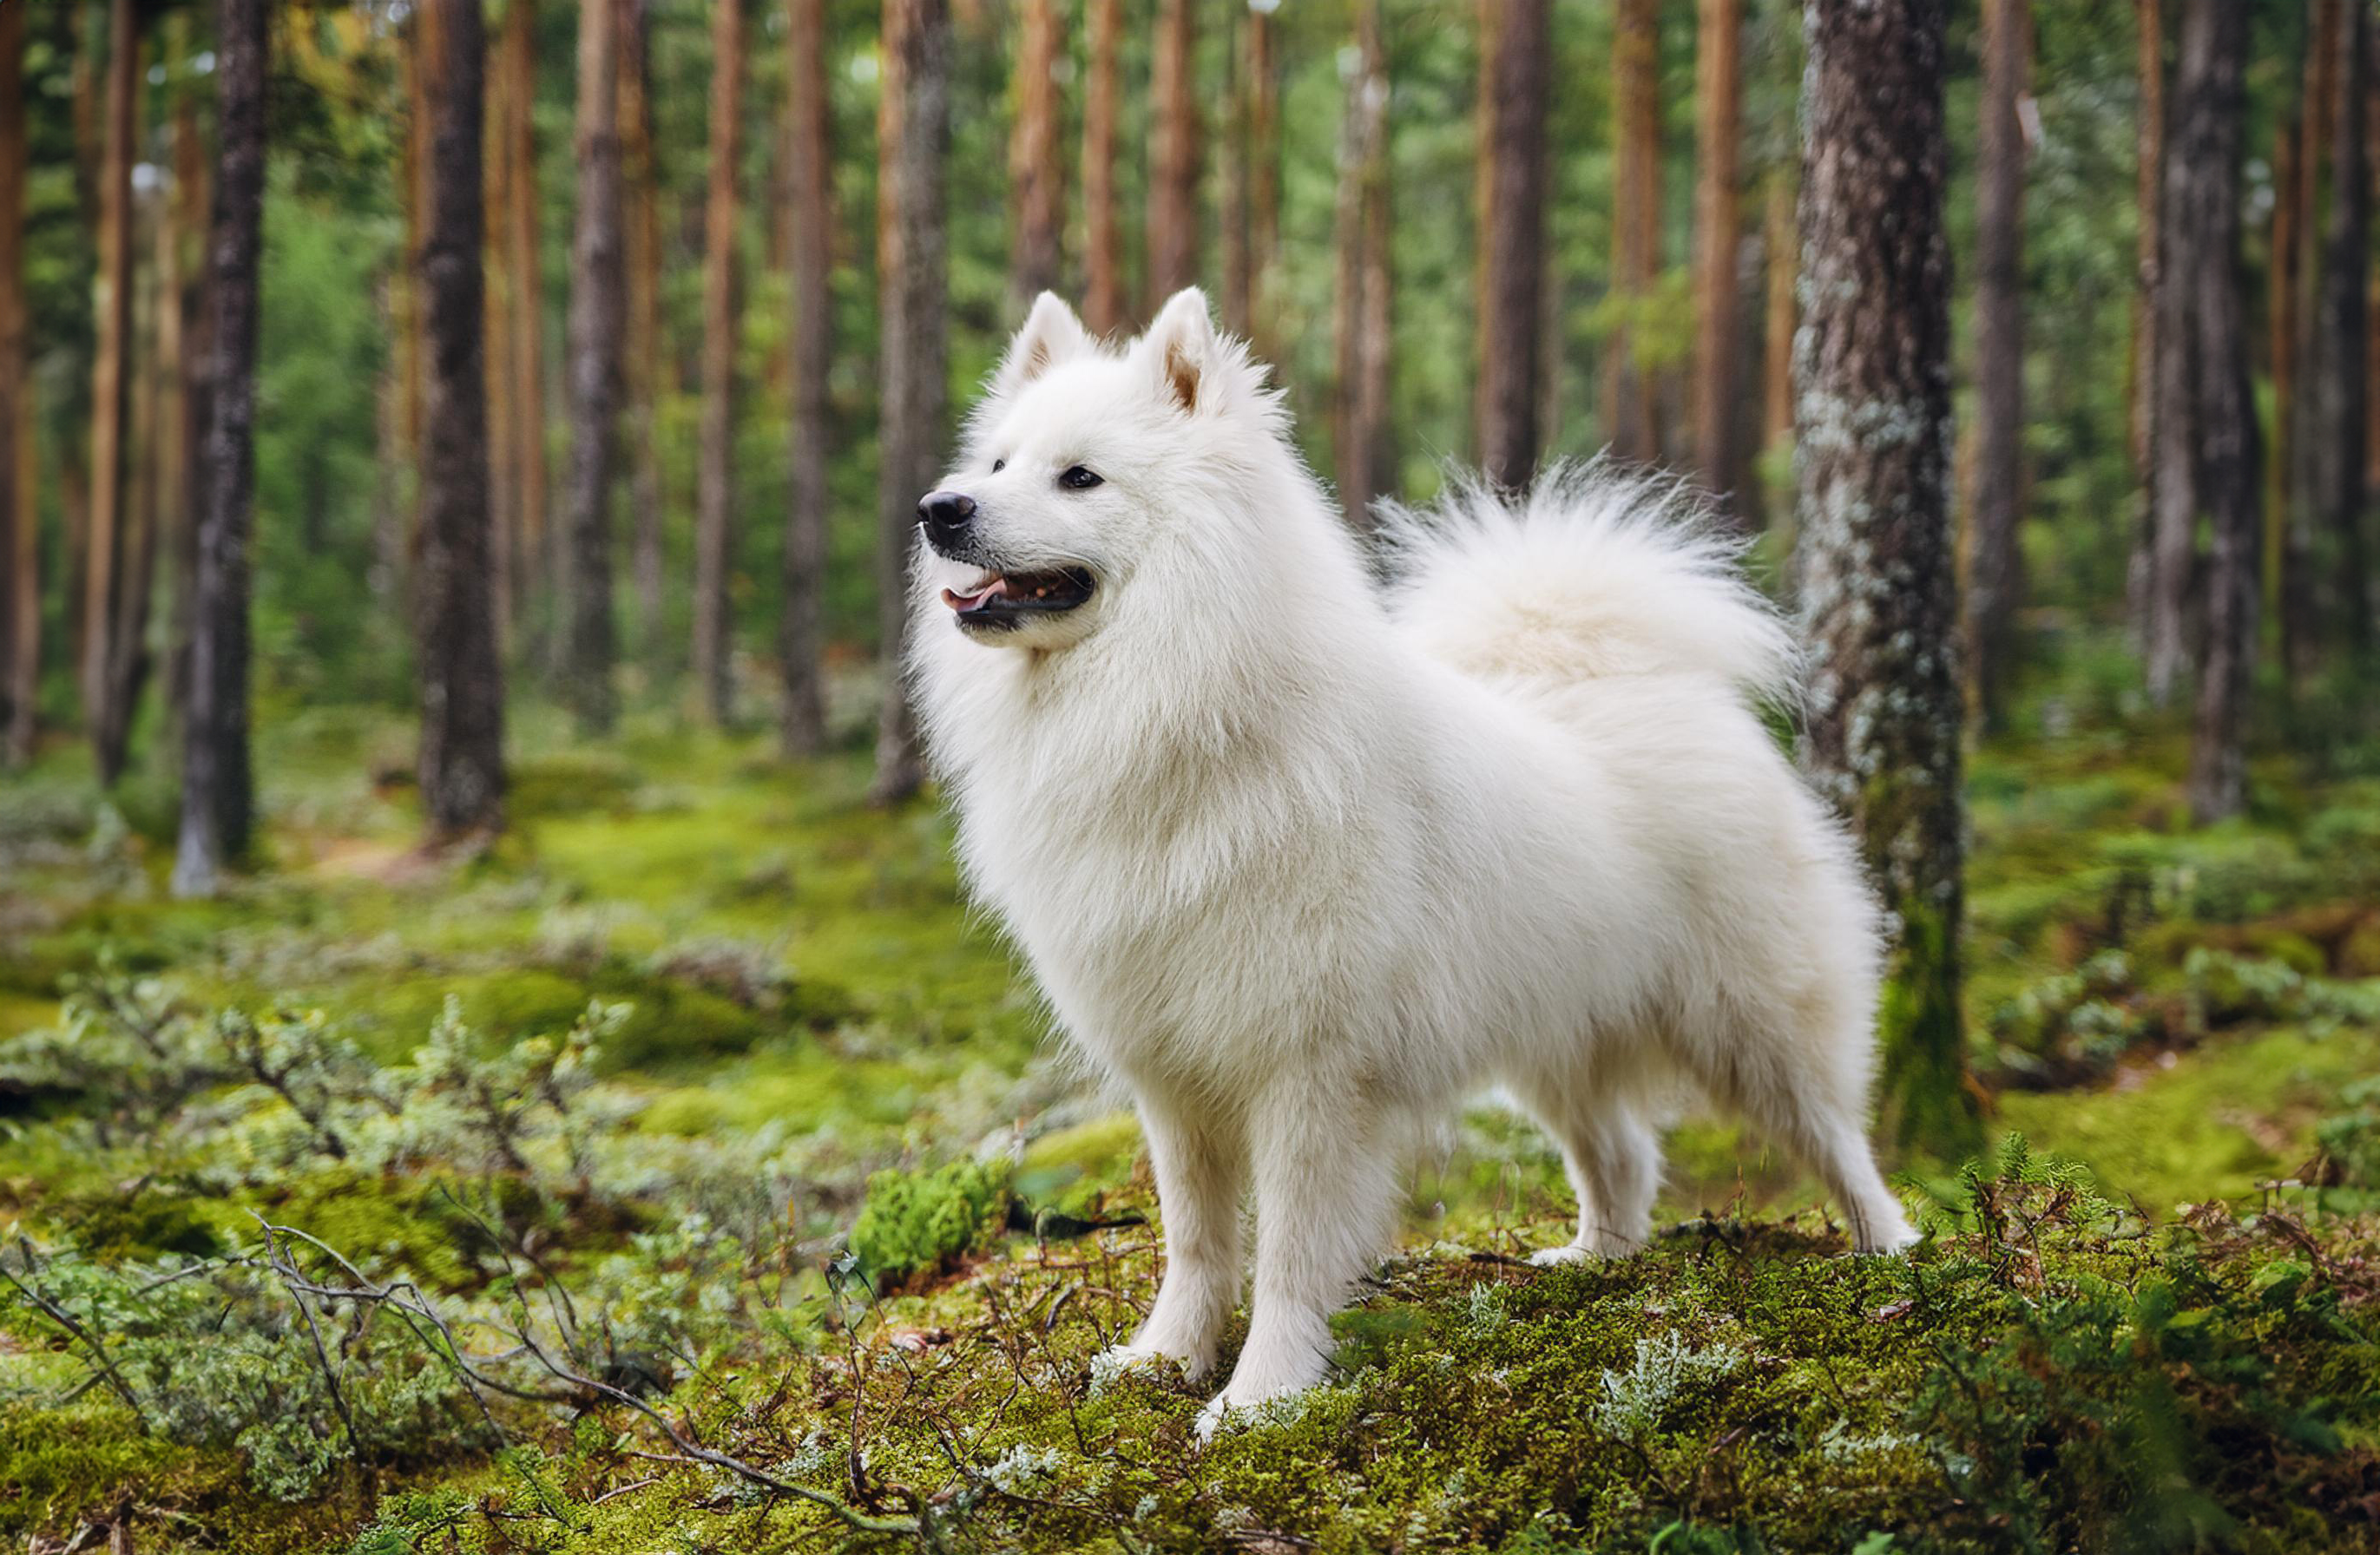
(2051, 1370)
(2351, 1139)
(916, 1223)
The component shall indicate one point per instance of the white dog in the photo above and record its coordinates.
(1303, 861)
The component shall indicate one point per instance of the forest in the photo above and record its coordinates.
(494, 1052)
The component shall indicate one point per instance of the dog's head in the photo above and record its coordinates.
(1084, 464)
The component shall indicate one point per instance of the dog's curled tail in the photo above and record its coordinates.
(1594, 571)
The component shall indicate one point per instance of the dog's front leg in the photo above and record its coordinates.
(1200, 1167)
(1325, 1199)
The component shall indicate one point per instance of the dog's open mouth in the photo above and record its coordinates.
(1003, 600)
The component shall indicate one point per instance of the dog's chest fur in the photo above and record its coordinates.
(1186, 908)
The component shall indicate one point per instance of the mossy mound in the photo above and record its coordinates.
(2046, 1374)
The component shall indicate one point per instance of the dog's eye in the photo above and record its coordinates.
(998, 465)
(1077, 478)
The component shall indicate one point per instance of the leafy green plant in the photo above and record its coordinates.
(916, 1223)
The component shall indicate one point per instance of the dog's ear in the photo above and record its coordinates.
(1051, 333)
(1195, 366)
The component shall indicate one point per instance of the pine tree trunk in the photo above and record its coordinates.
(2283, 568)
(193, 199)
(1515, 75)
(527, 286)
(217, 795)
(2149, 183)
(1995, 578)
(20, 599)
(1630, 411)
(1174, 153)
(642, 372)
(128, 635)
(914, 135)
(1263, 152)
(113, 308)
(1362, 302)
(413, 171)
(1878, 597)
(590, 640)
(1232, 176)
(2148, 158)
(1780, 248)
(454, 602)
(2207, 352)
(1103, 309)
(1718, 242)
(2205, 431)
(1036, 165)
(801, 725)
(496, 336)
(714, 510)
(2342, 390)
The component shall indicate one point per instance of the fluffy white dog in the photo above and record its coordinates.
(1305, 862)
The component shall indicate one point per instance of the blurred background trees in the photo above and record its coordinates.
(739, 260)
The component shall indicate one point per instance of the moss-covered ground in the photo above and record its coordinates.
(342, 1222)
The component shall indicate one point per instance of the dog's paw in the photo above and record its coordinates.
(1227, 1413)
(1569, 1252)
(1886, 1235)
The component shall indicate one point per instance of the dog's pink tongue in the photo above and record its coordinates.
(959, 601)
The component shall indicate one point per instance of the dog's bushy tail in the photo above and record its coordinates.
(1594, 571)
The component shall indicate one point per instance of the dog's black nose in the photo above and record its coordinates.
(947, 516)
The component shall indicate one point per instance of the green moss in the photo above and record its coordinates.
(916, 1223)
(61, 1468)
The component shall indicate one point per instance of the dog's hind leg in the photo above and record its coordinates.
(1613, 1160)
(1808, 1090)
(1200, 1171)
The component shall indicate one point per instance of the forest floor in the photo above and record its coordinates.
(690, 1172)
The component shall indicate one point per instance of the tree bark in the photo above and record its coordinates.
(193, 199)
(2209, 444)
(2148, 169)
(497, 336)
(1780, 247)
(2342, 389)
(801, 723)
(715, 507)
(1036, 165)
(217, 797)
(2283, 567)
(1174, 153)
(2149, 180)
(643, 370)
(112, 310)
(1631, 414)
(1994, 577)
(913, 142)
(1363, 321)
(1232, 176)
(1718, 243)
(1515, 74)
(20, 600)
(1878, 597)
(526, 355)
(454, 601)
(1263, 152)
(128, 632)
(1103, 309)
(590, 638)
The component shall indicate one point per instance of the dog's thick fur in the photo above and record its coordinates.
(1303, 861)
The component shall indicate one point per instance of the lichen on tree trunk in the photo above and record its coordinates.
(1878, 599)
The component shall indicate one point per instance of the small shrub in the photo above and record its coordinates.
(916, 1223)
